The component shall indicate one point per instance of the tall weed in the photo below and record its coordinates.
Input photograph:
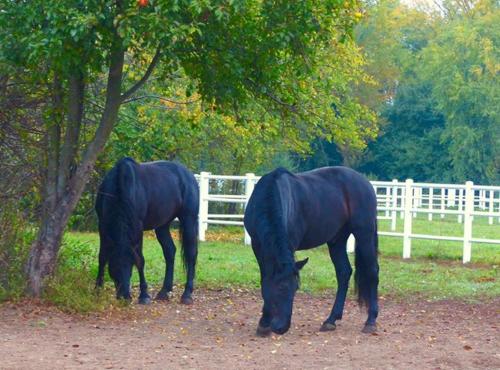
(15, 239)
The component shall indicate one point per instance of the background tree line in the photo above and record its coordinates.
(437, 94)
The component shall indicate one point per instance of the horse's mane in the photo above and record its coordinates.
(118, 192)
(272, 229)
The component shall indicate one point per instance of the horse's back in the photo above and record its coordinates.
(168, 169)
(315, 205)
(168, 176)
(159, 191)
(344, 180)
(170, 191)
(342, 189)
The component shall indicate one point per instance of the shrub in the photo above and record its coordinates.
(15, 240)
(72, 287)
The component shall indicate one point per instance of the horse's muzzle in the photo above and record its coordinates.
(280, 327)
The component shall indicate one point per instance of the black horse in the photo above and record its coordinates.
(135, 197)
(288, 212)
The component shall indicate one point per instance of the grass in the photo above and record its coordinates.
(441, 249)
(435, 271)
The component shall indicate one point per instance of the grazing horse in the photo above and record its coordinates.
(289, 212)
(135, 197)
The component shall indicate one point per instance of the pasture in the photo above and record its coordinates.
(435, 312)
(434, 272)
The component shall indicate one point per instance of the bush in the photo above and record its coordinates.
(15, 240)
(72, 287)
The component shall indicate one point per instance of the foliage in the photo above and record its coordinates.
(439, 92)
(464, 64)
(391, 35)
(72, 287)
(187, 128)
(14, 245)
(411, 136)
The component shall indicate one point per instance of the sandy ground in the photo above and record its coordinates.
(218, 332)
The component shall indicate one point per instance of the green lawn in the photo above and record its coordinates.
(441, 249)
(229, 264)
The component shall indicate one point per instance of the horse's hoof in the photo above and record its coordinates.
(186, 300)
(263, 331)
(162, 296)
(124, 300)
(369, 329)
(144, 300)
(328, 327)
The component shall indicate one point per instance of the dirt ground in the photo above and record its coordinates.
(218, 332)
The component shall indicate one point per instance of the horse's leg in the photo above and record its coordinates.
(264, 326)
(343, 270)
(189, 226)
(103, 259)
(367, 270)
(144, 297)
(168, 247)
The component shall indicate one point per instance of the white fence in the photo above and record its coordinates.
(393, 197)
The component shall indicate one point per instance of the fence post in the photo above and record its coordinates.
(416, 197)
(490, 207)
(460, 204)
(408, 202)
(431, 202)
(394, 213)
(442, 201)
(249, 185)
(402, 213)
(469, 209)
(387, 200)
(451, 198)
(482, 199)
(350, 243)
(203, 212)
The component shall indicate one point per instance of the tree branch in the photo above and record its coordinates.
(69, 149)
(160, 98)
(106, 124)
(127, 94)
(291, 107)
(53, 145)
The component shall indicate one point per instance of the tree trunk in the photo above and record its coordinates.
(43, 254)
(44, 251)
(55, 215)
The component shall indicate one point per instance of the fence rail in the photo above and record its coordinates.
(407, 198)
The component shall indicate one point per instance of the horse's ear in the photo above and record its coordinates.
(300, 264)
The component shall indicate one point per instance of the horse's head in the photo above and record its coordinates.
(120, 265)
(278, 292)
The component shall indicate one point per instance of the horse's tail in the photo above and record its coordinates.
(188, 233)
(366, 274)
(188, 227)
(126, 187)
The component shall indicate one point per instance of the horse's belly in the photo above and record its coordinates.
(312, 242)
(315, 238)
(158, 216)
